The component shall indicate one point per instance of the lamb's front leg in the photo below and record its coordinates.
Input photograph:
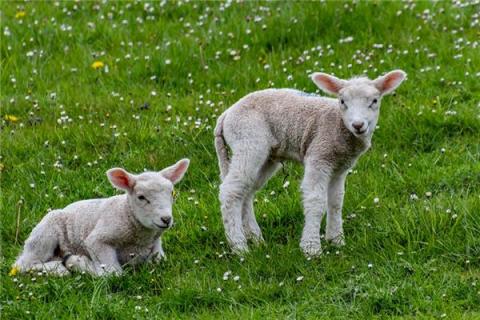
(314, 188)
(80, 263)
(336, 190)
(104, 257)
(157, 252)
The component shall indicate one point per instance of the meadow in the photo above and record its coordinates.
(86, 86)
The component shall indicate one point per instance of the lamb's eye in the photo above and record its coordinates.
(342, 102)
(142, 198)
(374, 101)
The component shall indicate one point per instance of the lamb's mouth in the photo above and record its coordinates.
(359, 133)
(161, 227)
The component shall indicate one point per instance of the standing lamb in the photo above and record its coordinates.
(98, 236)
(327, 135)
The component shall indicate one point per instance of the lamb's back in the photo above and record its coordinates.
(291, 116)
(283, 100)
(75, 222)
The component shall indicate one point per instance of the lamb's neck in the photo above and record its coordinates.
(366, 140)
(133, 221)
(138, 233)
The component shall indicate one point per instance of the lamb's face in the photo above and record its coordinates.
(359, 98)
(360, 106)
(150, 194)
(151, 200)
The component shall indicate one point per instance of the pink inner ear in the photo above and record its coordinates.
(328, 83)
(390, 81)
(120, 179)
(175, 173)
(179, 171)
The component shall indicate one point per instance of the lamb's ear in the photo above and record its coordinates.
(121, 179)
(175, 173)
(328, 83)
(389, 82)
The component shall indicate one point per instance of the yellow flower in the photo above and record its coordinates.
(20, 14)
(14, 271)
(97, 65)
(11, 118)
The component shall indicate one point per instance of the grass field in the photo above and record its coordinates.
(167, 70)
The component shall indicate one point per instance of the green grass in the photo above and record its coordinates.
(423, 254)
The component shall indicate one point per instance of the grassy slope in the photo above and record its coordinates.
(424, 253)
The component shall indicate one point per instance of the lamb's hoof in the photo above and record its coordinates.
(61, 272)
(71, 261)
(338, 241)
(311, 249)
(108, 271)
(256, 239)
(239, 249)
(68, 260)
(159, 257)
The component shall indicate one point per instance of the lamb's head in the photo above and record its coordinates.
(150, 194)
(359, 98)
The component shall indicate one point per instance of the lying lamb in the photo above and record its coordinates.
(99, 236)
(327, 135)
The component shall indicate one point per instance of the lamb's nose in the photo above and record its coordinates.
(358, 125)
(166, 220)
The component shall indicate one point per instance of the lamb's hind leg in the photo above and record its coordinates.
(54, 267)
(39, 249)
(250, 225)
(244, 169)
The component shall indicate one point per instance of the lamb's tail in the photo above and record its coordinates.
(221, 148)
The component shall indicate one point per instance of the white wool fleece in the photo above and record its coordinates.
(327, 135)
(100, 235)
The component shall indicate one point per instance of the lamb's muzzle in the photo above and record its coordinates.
(327, 135)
